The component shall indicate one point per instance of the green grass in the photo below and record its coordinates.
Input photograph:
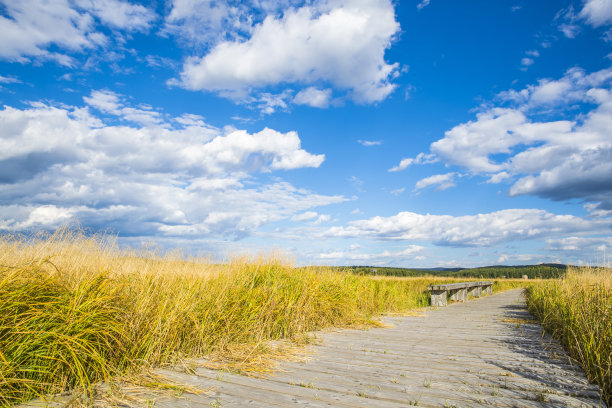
(77, 310)
(578, 311)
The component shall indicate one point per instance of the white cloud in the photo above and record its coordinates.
(548, 92)
(522, 258)
(269, 103)
(105, 101)
(337, 43)
(421, 158)
(595, 210)
(110, 102)
(356, 182)
(569, 30)
(48, 215)
(407, 253)
(498, 177)
(562, 159)
(494, 132)
(598, 248)
(529, 60)
(567, 21)
(597, 12)
(570, 88)
(444, 181)
(119, 14)
(584, 174)
(199, 22)
(404, 163)
(369, 143)
(160, 62)
(9, 80)
(305, 216)
(469, 230)
(31, 26)
(422, 4)
(322, 219)
(165, 180)
(311, 96)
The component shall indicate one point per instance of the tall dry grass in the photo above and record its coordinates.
(77, 310)
(577, 310)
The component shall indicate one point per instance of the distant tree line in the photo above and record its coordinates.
(544, 271)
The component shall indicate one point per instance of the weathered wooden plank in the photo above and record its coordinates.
(450, 374)
(276, 392)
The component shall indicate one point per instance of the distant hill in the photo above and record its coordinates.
(546, 270)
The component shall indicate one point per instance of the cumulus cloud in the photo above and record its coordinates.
(444, 181)
(269, 103)
(597, 12)
(322, 219)
(469, 230)
(586, 250)
(305, 216)
(119, 14)
(408, 253)
(585, 173)
(311, 96)
(32, 28)
(201, 22)
(595, 211)
(557, 159)
(170, 179)
(109, 102)
(339, 43)
(498, 177)
(579, 243)
(421, 158)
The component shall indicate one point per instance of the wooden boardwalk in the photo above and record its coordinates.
(485, 352)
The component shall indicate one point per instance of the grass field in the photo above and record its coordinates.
(577, 310)
(77, 310)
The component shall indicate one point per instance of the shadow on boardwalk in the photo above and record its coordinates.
(546, 363)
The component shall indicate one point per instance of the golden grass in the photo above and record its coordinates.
(577, 310)
(77, 310)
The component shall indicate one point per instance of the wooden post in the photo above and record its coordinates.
(459, 295)
(438, 298)
(475, 291)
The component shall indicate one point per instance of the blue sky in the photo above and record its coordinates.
(367, 132)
